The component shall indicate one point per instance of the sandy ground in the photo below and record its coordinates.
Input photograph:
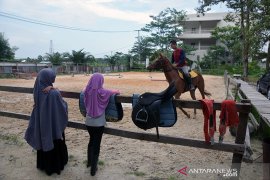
(120, 158)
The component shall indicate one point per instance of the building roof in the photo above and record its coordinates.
(206, 17)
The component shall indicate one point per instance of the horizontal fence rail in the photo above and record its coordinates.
(228, 147)
(190, 104)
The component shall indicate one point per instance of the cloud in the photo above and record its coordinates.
(108, 12)
(85, 10)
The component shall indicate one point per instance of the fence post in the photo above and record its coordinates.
(227, 87)
(237, 89)
(240, 138)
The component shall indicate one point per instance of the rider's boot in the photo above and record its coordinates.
(189, 83)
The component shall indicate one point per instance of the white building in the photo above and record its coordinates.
(197, 32)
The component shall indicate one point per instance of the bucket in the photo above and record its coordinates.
(266, 158)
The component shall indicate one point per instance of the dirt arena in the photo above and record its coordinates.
(120, 158)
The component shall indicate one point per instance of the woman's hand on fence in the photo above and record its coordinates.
(47, 89)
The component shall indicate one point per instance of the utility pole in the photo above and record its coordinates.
(51, 47)
(139, 43)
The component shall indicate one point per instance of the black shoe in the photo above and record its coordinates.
(93, 171)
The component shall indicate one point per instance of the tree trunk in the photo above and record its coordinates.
(244, 40)
(268, 58)
(245, 15)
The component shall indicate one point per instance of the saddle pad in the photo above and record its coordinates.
(113, 112)
(168, 115)
(192, 74)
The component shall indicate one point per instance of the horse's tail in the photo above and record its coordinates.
(205, 92)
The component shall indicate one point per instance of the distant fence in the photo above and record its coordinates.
(32, 68)
(236, 148)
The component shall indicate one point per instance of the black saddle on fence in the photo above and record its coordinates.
(146, 111)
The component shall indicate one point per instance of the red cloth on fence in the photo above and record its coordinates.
(229, 112)
(228, 116)
(209, 113)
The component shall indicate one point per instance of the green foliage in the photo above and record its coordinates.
(5, 76)
(254, 69)
(118, 59)
(144, 47)
(252, 18)
(6, 52)
(55, 58)
(230, 36)
(164, 27)
(79, 57)
(157, 53)
(215, 56)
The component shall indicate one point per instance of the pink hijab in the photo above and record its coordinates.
(96, 98)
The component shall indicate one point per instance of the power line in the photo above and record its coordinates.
(43, 23)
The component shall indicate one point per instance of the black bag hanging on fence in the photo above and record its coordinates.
(147, 108)
(113, 111)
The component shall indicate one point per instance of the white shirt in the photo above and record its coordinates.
(96, 122)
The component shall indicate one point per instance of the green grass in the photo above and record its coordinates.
(101, 163)
(6, 76)
(12, 139)
(136, 173)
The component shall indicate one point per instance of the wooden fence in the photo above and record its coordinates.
(236, 148)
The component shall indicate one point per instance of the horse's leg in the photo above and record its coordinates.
(177, 96)
(192, 94)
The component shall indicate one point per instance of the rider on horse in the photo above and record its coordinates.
(179, 58)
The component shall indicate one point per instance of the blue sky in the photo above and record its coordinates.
(97, 15)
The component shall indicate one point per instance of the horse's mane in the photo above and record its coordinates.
(169, 62)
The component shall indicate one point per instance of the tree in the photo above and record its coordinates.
(241, 18)
(39, 58)
(261, 26)
(55, 58)
(230, 37)
(117, 59)
(80, 57)
(252, 16)
(216, 55)
(6, 52)
(144, 47)
(164, 27)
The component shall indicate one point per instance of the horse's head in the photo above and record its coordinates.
(159, 63)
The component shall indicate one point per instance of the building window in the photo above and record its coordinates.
(193, 30)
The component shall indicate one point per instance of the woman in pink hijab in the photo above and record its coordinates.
(96, 99)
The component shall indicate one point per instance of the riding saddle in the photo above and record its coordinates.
(192, 74)
(154, 109)
(113, 111)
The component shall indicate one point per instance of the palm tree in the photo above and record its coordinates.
(55, 58)
(80, 57)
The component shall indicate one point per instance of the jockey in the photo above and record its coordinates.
(179, 59)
